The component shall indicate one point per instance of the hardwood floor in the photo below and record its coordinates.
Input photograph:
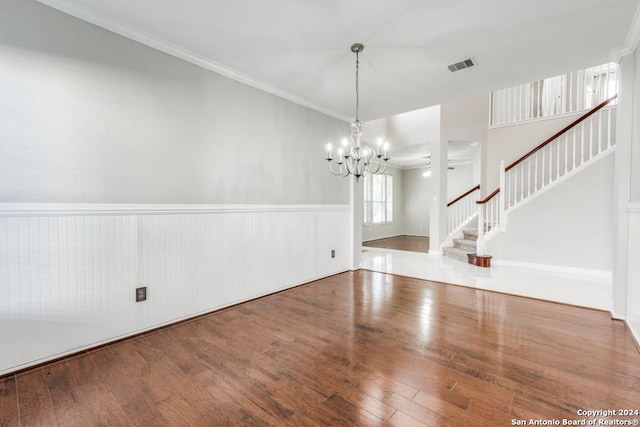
(359, 348)
(401, 243)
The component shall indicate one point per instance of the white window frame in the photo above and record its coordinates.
(386, 199)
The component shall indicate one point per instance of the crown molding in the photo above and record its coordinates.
(632, 40)
(189, 56)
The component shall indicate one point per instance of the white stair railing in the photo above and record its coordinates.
(567, 93)
(462, 210)
(582, 142)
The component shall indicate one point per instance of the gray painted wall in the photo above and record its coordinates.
(418, 193)
(87, 116)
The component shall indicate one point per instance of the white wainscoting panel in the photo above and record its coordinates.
(68, 274)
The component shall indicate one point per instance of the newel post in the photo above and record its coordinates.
(481, 246)
(502, 194)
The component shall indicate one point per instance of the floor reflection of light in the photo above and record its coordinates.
(426, 319)
(383, 261)
(569, 288)
(378, 294)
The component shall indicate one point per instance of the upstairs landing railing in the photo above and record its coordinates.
(569, 150)
(568, 93)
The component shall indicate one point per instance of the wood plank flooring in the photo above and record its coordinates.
(401, 243)
(359, 348)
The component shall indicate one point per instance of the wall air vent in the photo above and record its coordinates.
(462, 65)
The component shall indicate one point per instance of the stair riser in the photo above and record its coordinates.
(457, 257)
(468, 236)
(468, 248)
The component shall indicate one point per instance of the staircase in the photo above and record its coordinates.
(462, 247)
(575, 147)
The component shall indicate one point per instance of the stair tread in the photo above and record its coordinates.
(467, 242)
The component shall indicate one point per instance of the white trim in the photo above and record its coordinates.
(631, 41)
(55, 209)
(556, 116)
(189, 56)
(592, 273)
(634, 328)
(633, 208)
(616, 315)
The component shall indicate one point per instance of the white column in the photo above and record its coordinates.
(438, 203)
(624, 126)
(356, 200)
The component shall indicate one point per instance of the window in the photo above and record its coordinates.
(378, 199)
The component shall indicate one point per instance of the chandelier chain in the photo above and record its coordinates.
(357, 84)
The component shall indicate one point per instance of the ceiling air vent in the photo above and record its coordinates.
(462, 65)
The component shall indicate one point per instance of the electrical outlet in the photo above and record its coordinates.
(333, 253)
(141, 294)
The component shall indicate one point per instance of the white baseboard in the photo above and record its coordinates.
(604, 275)
(634, 328)
(616, 316)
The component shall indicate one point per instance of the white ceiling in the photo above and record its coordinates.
(299, 49)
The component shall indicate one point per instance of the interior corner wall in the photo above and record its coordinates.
(396, 228)
(121, 166)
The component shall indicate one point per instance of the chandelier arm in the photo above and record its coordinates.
(340, 171)
(346, 171)
(377, 171)
(385, 168)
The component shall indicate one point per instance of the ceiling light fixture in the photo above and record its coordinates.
(354, 156)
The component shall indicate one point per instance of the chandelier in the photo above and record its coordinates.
(354, 156)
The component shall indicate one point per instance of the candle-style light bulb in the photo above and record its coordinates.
(329, 147)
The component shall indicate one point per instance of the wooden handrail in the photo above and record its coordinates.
(564, 130)
(477, 187)
(549, 141)
(489, 197)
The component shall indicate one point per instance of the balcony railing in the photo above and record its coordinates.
(568, 93)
